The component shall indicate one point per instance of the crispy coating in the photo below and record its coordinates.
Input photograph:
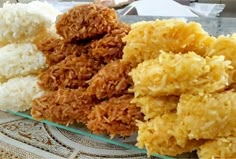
(226, 46)
(111, 80)
(146, 39)
(73, 72)
(155, 106)
(57, 50)
(221, 148)
(110, 46)
(64, 106)
(116, 116)
(165, 135)
(85, 22)
(208, 116)
(174, 74)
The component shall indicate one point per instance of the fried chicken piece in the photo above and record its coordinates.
(146, 39)
(165, 135)
(57, 50)
(116, 116)
(111, 80)
(73, 72)
(85, 22)
(64, 106)
(174, 74)
(110, 46)
(155, 106)
(208, 116)
(221, 148)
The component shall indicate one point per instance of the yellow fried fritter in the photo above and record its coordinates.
(208, 116)
(146, 39)
(222, 148)
(155, 106)
(174, 74)
(165, 135)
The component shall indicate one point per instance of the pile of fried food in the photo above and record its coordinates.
(167, 79)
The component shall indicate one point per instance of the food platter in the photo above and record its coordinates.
(141, 85)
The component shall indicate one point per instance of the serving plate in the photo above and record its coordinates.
(124, 143)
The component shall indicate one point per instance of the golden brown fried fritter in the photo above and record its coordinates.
(73, 72)
(111, 45)
(85, 22)
(111, 80)
(219, 148)
(64, 106)
(116, 116)
(57, 50)
(165, 135)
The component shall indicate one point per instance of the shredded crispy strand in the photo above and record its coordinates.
(165, 135)
(174, 74)
(73, 72)
(152, 107)
(85, 22)
(146, 39)
(223, 148)
(111, 80)
(116, 116)
(57, 50)
(110, 46)
(63, 106)
(208, 116)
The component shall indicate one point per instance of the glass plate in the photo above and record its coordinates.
(128, 143)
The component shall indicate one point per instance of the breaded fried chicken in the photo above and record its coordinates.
(116, 116)
(110, 80)
(72, 72)
(85, 22)
(64, 106)
(110, 46)
(57, 50)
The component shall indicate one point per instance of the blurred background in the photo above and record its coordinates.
(229, 9)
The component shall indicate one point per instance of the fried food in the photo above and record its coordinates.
(224, 148)
(73, 72)
(174, 74)
(57, 50)
(64, 106)
(226, 46)
(110, 80)
(85, 22)
(25, 22)
(116, 116)
(17, 93)
(208, 116)
(20, 60)
(146, 39)
(165, 135)
(155, 106)
(110, 46)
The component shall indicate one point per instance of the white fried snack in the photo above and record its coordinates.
(174, 74)
(208, 116)
(20, 60)
(25, 22)
(146, 39)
